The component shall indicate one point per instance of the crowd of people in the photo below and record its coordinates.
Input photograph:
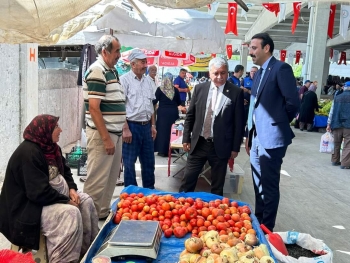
(130, 117)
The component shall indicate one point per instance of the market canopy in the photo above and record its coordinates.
(180, 30)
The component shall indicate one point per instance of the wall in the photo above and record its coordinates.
(9, 103)
(59, 95)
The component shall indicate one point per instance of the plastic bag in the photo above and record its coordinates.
(83, 139)
(7, 255)
(327, 143)
(306, 241)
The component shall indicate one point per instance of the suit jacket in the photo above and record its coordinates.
(276, 105)
(228, 125)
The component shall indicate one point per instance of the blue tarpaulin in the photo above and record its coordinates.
(170, 248)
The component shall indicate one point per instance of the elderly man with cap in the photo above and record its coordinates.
(139, 129)
(339, 123)
(105, 114)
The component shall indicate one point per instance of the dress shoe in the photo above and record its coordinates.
(336, 163)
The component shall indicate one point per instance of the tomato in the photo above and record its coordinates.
(168, 214)
(205, 212)
(164, 227)
(217, 212)
(225, 200)
(175, 211)
(200, 222)
(124, 195)
(211, 227)
(140, 195)
(234, 204)
(235, 217)
(191, 213)
(239, 224)
(155, 213)
(199, 204)
(221, 226)
(180, 231)
(117, 218)
(190, 200)
(207, 223)
(202, 228)
(166, 206)
(168, 232)
(125, 203)
(227, 217)
(183, 217)
(193, 222)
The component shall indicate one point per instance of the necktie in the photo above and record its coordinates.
(208, 118)
(252, 102)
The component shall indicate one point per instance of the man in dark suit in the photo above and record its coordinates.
(273, 105)
(213, 127)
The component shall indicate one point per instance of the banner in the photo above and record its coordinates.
(342, 58)
(297, 56)
(282, 13)
(172, 54)
(296, 9)
(344, 20)
(272, 7)
(231, 24)
(335, 56)
(229, 51)
(331, 20)
(213, 55)
(283, 54)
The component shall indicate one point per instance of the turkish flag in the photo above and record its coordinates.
(229, 51)
(331, 53)
(272, 7)
(342, 58)
(296, 8)
(283, 55)
(231, 24)
(331, 20)
(213, 55)
(297, 56)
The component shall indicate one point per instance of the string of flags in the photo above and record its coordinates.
(279, 9)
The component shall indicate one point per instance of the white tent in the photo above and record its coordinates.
(180, 30)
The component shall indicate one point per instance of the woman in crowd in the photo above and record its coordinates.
(308, 106)
(167, 113)
(39, 195)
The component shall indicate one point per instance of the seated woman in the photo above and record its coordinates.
(39, 194)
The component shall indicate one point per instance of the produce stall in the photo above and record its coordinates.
(171, 247)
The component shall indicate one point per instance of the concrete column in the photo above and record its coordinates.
(326, 67)
(318, 44)
(28, 69)
(243, 57)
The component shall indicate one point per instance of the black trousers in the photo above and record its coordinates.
(204, 151)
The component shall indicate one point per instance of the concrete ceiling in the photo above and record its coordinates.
(261, 20)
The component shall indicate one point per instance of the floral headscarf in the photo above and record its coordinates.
(40, 131)
(167, 85)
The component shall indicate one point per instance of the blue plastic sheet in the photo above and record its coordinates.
(320, 121)
(170, 248)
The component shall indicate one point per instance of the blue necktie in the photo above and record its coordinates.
(252, 102)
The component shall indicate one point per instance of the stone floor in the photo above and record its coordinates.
(314, 195)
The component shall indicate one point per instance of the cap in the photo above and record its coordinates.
(347, 84)
(306, 81)
(136, 54)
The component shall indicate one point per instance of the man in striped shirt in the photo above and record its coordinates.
(105, 115)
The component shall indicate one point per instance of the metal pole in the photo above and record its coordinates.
(308, 45)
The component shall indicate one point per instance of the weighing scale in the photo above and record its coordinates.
(133, 238)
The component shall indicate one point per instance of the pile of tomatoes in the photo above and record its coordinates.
(180, 216)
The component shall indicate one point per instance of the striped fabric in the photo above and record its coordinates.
(102, 83)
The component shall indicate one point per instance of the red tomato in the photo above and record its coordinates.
(117, 218)
(234, 204)
(199, 204)
(191, 213)
(168, 214)
(205, 212)
(190, 200)
(200, 222)
(225, 200)
(168, 232)
(180, 231)
(221, 226)
(211, 227)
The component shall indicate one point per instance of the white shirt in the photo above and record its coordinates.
(154, 85)
(209, 98)
(139, 95)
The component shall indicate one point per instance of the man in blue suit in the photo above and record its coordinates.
(273, 105)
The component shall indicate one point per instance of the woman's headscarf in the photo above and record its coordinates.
(167, 85)
(40, 131)
(312, 88)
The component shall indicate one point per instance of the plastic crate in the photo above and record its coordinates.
(73, 158)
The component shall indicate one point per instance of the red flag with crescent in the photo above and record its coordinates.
(283, 55)
(231, 24)
(297, 56)
(331, 53)
(331, 20)
(342, 58)
(296, 9)
(229, 51)
(272, 7)
(213, 55)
